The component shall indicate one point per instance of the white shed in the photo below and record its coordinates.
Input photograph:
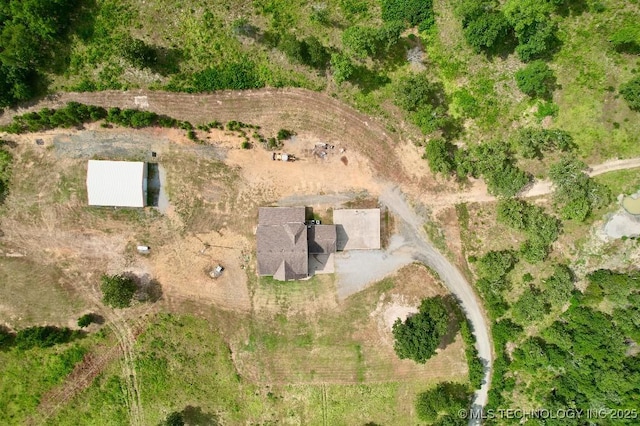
(117, 183)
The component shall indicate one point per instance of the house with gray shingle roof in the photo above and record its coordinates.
(284, 242)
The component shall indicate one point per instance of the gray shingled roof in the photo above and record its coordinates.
(322, 239)
(282, 243)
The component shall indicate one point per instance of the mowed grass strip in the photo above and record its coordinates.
(183, 361)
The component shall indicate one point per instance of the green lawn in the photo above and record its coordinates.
(26, 375)
(621, 181)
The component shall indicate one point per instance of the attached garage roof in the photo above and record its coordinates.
(116, 183)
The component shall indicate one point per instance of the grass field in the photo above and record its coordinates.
(35, 294)
(206, 368)
(622, 181)
(21, 393)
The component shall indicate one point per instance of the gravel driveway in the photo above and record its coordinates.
(411, 227)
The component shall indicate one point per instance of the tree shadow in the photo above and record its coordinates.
(368, 80)
(147, 289)
(7, 337)
(82, 24)
(194, 416)
(10, 144)
(453, 326)
(505, 47)
(97, 318)
(153, 184)
(572, 8)
(167, 60)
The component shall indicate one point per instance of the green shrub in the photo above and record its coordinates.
(42, 337)
(439, 155)
(531, 306)
(630, 91)
(284, 134)
(533, 142)
(546, 109)
(117, 291)
(487, 31)
(342, 67)
(191, 135)
(360, 41)
(536, 79)
(445, 399)
(411, 12)
(627, 39)
(466, 103)
(85, 320)
(415, 91)
(495, 265)
(239, 75)
(419, 335)
(245, 145)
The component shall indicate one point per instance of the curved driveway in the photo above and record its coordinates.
(424, 252)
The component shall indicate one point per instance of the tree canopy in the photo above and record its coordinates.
(533, 142)
(576, 194)
(445, 399)
(536, 80)
(419, 335)
(30, 35)
(630, 91)
(117, 291)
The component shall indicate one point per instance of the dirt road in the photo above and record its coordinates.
(544, 187)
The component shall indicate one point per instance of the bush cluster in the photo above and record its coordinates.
(239, 75)
(541, 228)
(365, 41)
(425, 102)
(576, 195)
(492, 269)
(117, 291)
(419, 335)
(495, 163)
(531, 143)
(76, 114)
(409, 12)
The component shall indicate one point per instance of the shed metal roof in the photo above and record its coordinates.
(116, 183)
